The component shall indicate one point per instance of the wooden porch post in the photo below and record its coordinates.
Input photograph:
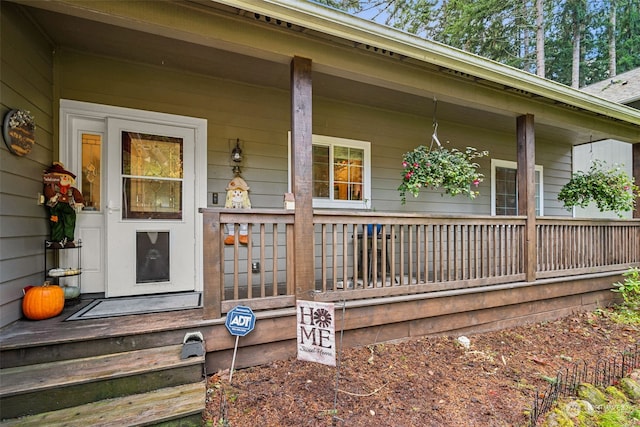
(527, 190)
(302, 179)
(636, 173)
(212, 283)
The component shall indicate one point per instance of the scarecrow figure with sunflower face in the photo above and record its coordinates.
(237, 198)
(62, 200)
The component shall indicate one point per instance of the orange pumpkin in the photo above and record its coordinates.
(43, 302)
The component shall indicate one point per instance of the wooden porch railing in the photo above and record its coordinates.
(367, 254)
(580, 246)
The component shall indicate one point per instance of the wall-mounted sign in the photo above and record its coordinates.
(19, 131)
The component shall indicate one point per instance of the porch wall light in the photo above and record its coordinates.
(236, 157)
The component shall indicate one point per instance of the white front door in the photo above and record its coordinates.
(150, 210)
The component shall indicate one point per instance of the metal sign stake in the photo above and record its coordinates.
(240, 321)
(233, 359)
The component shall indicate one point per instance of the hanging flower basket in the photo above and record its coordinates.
(609, 187)
(451, 170)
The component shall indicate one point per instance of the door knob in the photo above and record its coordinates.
(111, 207)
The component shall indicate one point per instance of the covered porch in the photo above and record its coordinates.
(420, 275)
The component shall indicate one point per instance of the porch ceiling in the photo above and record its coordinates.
(142, 45)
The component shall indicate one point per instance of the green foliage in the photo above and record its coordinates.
(610, 188)
(450, 169)
(616, 415)
(629, 289)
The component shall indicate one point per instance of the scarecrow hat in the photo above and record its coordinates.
(58, 168)
(237, 183)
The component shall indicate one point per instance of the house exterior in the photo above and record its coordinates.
(299, 89)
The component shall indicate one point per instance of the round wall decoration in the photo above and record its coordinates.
(19, 131)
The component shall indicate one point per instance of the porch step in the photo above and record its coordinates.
(179, 406)
(38, 388)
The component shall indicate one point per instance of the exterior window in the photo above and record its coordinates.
(504, 188)
(341, 173)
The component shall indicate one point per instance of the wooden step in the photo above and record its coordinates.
(155, 407)
(28, 390)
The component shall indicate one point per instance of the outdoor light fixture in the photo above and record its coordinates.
(236, 157)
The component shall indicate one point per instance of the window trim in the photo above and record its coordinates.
(332, 141)
(497, 163)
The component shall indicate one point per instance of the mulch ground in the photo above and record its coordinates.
(432, 381)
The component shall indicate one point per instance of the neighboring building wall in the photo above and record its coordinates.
(612, 152)
(260, 118)
(26, 76)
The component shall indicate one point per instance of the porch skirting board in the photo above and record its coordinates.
(124, 306)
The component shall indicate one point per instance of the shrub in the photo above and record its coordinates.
(629, 289)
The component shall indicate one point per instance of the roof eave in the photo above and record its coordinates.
(339, 24)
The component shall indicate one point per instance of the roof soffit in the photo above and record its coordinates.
(386, 39)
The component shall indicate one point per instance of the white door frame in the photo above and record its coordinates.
(70, 155)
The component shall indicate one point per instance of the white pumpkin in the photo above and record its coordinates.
(71, 292)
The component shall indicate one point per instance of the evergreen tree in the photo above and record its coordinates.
(574, 42)
(628, 35)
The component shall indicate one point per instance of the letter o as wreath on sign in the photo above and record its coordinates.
(18, 131)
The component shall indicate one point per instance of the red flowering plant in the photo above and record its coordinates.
(452, 170)
(608, 186)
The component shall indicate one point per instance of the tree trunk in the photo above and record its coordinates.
(540, 68)
(575, 61)
(612, 39)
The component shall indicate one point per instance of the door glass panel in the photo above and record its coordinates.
(152, 176)
(152, 256)
(91, 170)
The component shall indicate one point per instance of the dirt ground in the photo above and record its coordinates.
(432, 381)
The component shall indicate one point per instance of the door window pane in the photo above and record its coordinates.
(91, 170)
(152, 176)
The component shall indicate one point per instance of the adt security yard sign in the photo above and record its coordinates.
(240, 321)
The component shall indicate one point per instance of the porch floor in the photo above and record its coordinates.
(26, 333)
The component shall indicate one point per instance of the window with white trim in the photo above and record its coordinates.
(341, 170)
(504, 188)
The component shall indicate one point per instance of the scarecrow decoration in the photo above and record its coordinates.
(62, 200)
(237, 198)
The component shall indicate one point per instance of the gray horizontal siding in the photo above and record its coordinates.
(26, 76)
